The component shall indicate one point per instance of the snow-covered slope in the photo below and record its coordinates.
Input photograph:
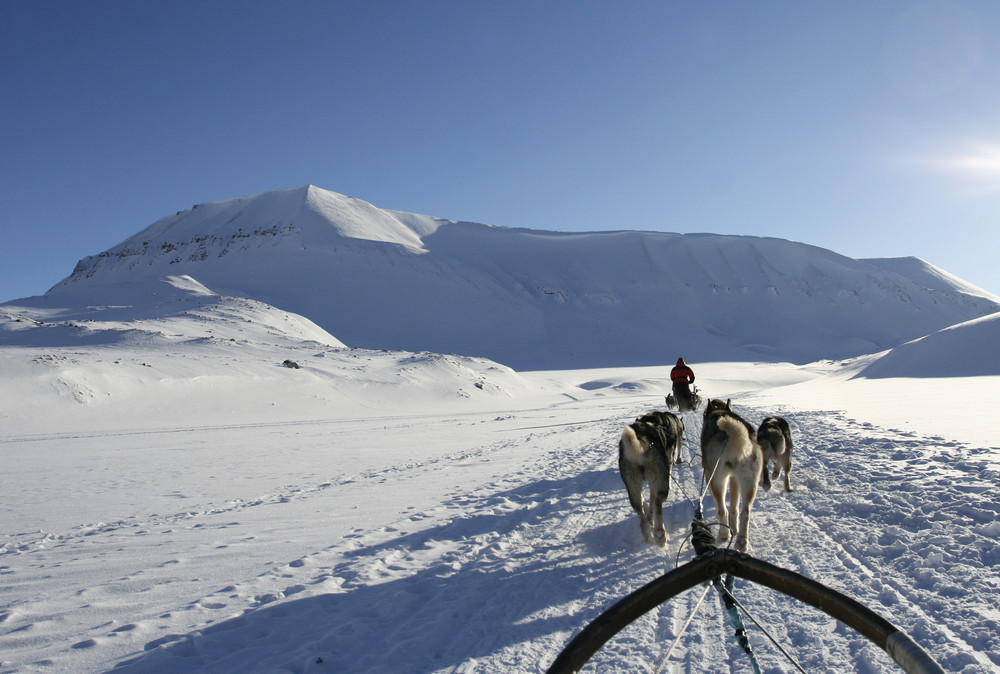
(176, 307)
(534, 299)
(177, 350)
(965, 350)
(926, 274)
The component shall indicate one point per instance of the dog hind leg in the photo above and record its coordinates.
(734, 507)
(633, 478)
(656, 499)
(718, 489)
(748, 494)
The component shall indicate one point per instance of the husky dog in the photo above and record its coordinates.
(643, 456)
(775, 440)
(671, 401)
(671, 421)
(682, 405)
(733, 461)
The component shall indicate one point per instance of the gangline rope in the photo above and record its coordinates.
(703, 540)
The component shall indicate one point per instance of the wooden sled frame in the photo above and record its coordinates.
(901, 648)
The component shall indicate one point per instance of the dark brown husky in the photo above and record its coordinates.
(775, 439)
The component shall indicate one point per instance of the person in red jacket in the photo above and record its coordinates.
(682, 376)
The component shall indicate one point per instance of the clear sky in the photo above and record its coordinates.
(869, 128)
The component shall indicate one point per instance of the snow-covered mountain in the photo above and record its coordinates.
(532, 299)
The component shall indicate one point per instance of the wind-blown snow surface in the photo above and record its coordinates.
(535, 299)
(175, 499)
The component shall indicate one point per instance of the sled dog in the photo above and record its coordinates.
(732, 461)
(775, 439)
(672, 422)
(681, 405)
(644, 452)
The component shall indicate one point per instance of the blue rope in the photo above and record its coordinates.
(736, 619)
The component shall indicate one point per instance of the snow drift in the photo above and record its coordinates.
(965, 350)
(534, 299)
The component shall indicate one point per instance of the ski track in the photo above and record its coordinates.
(922, 527)
(500, 574)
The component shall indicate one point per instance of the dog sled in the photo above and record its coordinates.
(682, 404)
(708, 566)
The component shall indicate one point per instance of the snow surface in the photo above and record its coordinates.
(178, 499)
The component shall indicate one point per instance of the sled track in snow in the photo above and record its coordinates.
(534, 538)
(801, 531)
(487, 558)
(884, 506)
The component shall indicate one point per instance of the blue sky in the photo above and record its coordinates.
(869, 128)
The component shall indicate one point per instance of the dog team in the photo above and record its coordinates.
(734, 458)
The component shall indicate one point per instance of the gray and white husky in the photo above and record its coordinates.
(733, 462)
(645, 452)
(775, 439)
(672, 422)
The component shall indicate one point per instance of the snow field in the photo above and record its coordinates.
(473, 542)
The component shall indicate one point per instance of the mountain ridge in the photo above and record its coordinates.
(536, 299)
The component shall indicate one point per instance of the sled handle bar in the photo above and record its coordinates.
(901, 648)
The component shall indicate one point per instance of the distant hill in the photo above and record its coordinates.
(965, 350)
(532, 299)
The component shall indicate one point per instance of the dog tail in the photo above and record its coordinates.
(632, 449)
(734, 428)
(740, 437)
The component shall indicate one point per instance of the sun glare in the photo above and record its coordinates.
(973, 166)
